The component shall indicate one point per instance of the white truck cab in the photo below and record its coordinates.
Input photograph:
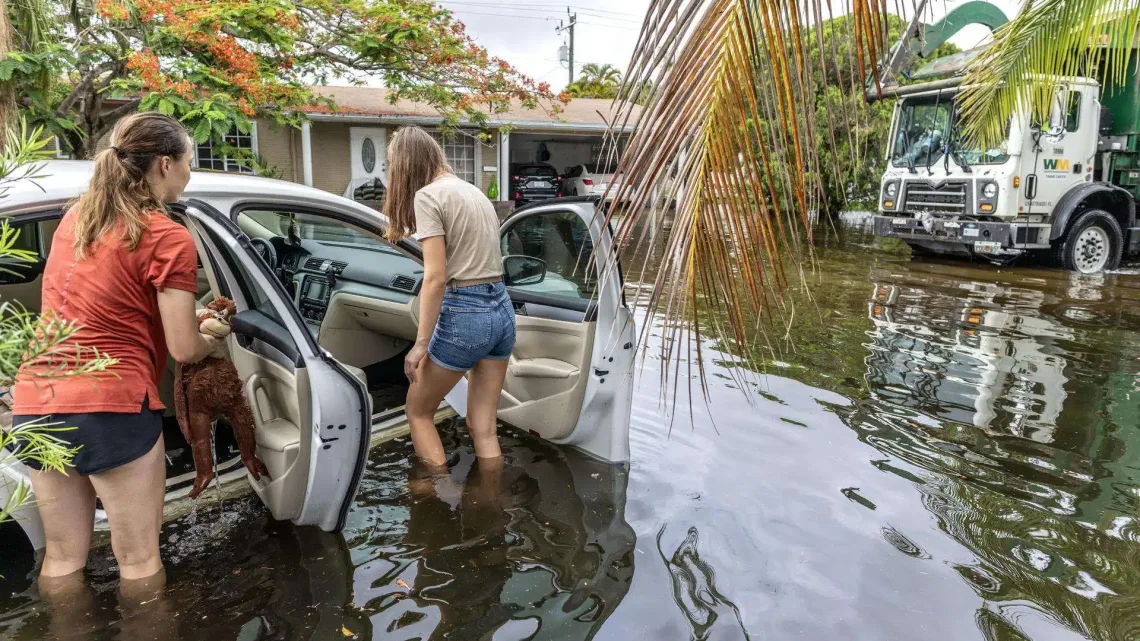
(941, 197)
(1064, 189)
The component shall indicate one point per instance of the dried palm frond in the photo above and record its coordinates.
(1050, 39)
(728, 135)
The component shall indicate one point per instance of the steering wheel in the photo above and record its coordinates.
(265, 250)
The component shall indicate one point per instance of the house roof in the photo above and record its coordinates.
(374, 103)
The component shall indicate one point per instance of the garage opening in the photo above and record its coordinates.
(576, 159)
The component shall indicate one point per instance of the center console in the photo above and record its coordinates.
(314, 300)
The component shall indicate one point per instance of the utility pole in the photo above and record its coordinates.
(573, 20)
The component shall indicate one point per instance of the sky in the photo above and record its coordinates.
(523, 31)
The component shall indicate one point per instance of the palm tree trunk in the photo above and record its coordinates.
(8, 110)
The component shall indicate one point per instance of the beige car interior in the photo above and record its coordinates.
(547, 374)
(281, 401)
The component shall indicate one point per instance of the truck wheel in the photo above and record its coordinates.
(1093, 244)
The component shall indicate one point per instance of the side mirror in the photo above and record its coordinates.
(1107, 121)
(523, 270)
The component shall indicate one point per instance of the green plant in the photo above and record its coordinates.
(1049, 39)
(29, 337)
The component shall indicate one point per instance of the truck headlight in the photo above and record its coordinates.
(892, 190)
(990, 190)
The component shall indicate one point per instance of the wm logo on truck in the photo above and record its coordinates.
(1056, 164)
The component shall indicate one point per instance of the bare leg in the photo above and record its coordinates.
(424, 397)
(70, 604)
(483, 392)
(132, 496)
(145, 610)
(67, 508)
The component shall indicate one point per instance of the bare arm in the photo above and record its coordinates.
(180, 325)
(435, 282)
(431, 298)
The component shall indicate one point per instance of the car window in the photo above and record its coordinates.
(562, 241)
(540, 170)
(322, 229)
(251, 287)
(27, 237)
(1073, 114)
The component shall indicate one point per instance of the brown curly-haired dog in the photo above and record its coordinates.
(209, 389)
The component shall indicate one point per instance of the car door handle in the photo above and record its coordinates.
(520, 308)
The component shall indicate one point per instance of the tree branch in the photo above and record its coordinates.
(83, 86)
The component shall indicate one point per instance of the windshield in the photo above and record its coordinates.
(924, 129)
(541, 171)
(317, 228)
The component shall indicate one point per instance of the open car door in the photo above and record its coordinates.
(312, 414)
(570, 377)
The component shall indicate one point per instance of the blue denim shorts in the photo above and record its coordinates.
(475, 323)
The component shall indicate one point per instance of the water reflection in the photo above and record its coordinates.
(695, 592)
(1009, 408)
(531, 546)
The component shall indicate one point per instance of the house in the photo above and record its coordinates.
(341, 150)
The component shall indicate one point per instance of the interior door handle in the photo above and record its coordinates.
(520, 308)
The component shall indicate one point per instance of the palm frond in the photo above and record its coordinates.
(1049, 39)
(728, 135)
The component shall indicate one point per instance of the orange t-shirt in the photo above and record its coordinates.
(113, 296)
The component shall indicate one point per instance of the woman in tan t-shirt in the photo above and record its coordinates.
(467, 323)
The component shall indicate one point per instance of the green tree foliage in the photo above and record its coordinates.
(216, 64)
(596, 81)
(851, 165)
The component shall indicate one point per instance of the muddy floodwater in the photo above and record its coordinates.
(951, 452)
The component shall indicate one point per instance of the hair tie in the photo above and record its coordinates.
(118, 152)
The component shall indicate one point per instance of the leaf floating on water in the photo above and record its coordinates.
(402, 583)
(346, 632)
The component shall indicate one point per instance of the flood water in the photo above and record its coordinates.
(951, 451)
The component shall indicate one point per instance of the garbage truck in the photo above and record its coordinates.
(1062, 191)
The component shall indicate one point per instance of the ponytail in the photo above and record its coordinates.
(120, 197)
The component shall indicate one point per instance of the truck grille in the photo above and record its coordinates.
(951, 197)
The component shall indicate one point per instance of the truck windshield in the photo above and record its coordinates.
(923, 128)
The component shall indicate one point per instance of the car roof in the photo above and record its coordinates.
(60, 181)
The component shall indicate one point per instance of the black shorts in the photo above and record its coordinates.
(105, 440)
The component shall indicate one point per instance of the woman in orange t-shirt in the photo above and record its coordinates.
(126, 274)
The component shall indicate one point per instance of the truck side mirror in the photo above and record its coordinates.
(1107, 121)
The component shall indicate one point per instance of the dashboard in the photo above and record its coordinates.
(316, 272)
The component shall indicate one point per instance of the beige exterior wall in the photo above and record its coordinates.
(332, 168)
(277, 147)
(490, 158)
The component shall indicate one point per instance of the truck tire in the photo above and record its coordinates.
(1094, 243)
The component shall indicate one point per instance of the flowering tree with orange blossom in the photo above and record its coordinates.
(217, 64)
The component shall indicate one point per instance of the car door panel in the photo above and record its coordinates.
(312, 415)
(568, 379)
(545, 375)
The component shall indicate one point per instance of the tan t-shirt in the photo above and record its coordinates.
(458, 211)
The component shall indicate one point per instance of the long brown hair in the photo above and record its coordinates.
(414, 160)
(120, 195)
